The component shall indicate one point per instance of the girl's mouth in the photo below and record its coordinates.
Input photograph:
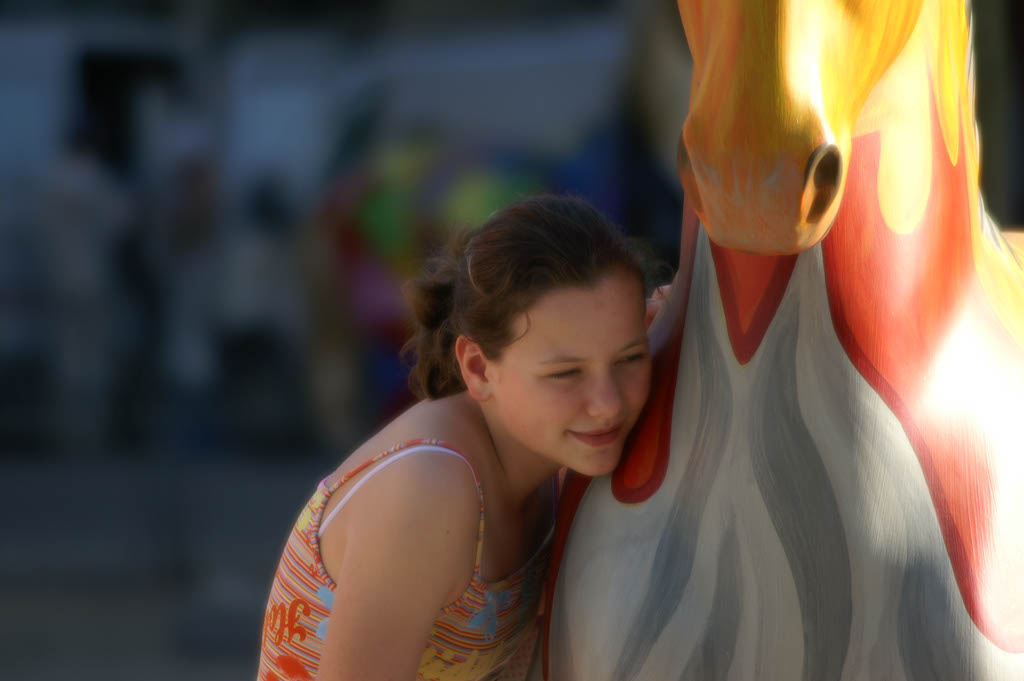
(598, 438)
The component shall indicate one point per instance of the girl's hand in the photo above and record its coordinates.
(656, 302)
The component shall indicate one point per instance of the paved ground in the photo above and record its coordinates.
(141, 572)
(109, 634)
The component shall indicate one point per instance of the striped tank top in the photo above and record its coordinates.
(488, 631)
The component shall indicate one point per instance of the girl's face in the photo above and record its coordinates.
(572, 385)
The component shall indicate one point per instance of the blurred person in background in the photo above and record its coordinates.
(84, 214)
(531, 355)
(187, 255)
(262, 323)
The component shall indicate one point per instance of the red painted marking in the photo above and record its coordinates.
(894, 299)
(645, 458)
(751, 287)
(573, 489)
(293, 668)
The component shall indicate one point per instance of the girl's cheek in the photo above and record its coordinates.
(642, 384)
(559, 399)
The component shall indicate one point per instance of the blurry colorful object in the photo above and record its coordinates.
(828, 481)
(378, 222)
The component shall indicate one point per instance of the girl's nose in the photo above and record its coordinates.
(605, 399)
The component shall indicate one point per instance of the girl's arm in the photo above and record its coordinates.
(409, 538)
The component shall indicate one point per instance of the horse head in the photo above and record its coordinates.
(779, 90)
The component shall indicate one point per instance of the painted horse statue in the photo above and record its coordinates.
(828, 483)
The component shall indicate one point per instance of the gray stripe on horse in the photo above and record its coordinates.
(802, 505)
(932, 640)
(713, 657)
(673, 558)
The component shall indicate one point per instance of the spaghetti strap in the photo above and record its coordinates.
(392, 456)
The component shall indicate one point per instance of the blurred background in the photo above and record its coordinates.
(206, 213)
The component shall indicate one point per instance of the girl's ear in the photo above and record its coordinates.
(473, 365)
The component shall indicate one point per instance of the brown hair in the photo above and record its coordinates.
(488, 276)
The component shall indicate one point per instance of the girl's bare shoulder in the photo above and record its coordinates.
(427, 496)
(450, 420)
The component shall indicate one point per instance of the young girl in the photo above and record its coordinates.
(424, 559)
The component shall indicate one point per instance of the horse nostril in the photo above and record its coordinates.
(821, 179)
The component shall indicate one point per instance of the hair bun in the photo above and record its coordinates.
(431, 301)
(430, 296)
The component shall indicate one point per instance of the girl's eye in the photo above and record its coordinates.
(568, 373)
(633, 358)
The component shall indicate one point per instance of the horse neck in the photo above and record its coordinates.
(922, 106)
(919, 119)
